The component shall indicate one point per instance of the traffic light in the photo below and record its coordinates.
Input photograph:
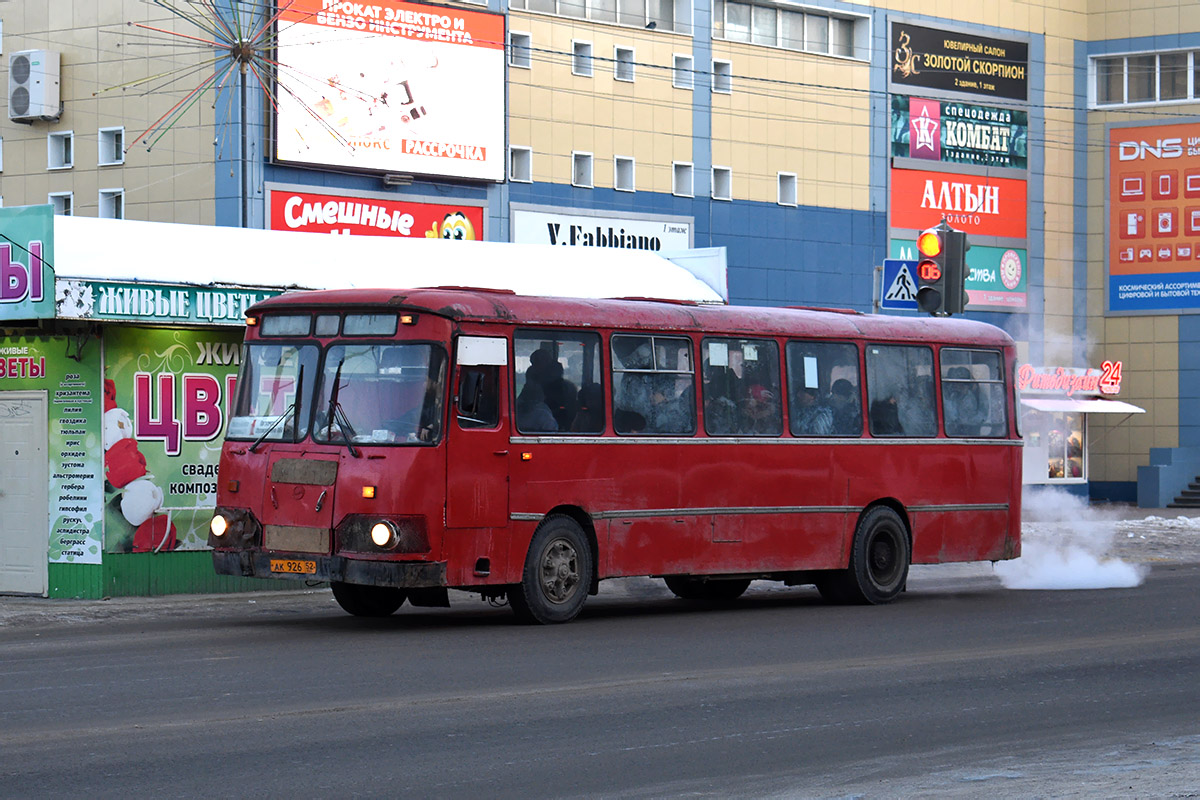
(942, 270)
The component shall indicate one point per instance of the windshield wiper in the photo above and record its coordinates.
(338, 414)
(294, 407)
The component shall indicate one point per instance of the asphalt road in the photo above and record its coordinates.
(960, 689)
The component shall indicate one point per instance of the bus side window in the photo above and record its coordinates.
(556, 375)
(653, 385)
(973, 393)
(740, 387)
(900, 393)
(479, 397)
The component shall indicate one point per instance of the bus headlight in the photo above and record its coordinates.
(218, 525)
(383, 534)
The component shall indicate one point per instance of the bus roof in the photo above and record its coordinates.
(486, 305)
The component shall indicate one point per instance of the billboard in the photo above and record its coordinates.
(26, 259)
(997, 277)
(951, 61)
(533, 226)
(313, 212)
(1154, 217)
(391, 86)
(979, 205)
(166, 399)
(959, 133)
(69, 373)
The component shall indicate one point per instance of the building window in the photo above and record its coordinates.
(684, 74)
(60, 150)
(787, 189)
(623, 180)
(519, 50)
(63, 202)
(1, 154)
(111, 146)
(520, 164)
(112, 204)
(623, 64)
(722, 77)
(681, 180)
(722, 183)
(1146, 78)
(652, 14)
(581, 59)
(581, 170)
(776, 25)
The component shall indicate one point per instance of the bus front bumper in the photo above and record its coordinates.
(310, 567)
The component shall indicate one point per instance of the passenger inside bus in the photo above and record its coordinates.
(961, 404)
(590, 416)
(533, 415)
(812, 417)
(847, 417)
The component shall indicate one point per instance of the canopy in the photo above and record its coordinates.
(1088, 406)
(157, 252)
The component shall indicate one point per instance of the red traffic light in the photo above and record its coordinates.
(929, 243)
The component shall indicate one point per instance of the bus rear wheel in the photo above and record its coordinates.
(879, 560)
(687, 587)
(558, 571)
(368, 601)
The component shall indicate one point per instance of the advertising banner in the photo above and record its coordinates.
(959, 133)
(1154, 218)
(580, 230)
(933, 58)
(996, 278)
(984, 206)
(166, 399)
(155, 303)
(363, 216)
(72, 387)
(26, 263)
(391, 86)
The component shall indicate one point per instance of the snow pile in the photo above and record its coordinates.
(1065, 545)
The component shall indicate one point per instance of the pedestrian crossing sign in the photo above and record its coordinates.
(899, 285)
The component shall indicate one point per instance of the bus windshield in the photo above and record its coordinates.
(274, 392)
(381, 394)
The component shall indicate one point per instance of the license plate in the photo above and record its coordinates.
(293, 566)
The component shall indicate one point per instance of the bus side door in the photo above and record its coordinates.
(477, 458)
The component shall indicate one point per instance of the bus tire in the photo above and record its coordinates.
(879, 560)
(558, 571)
(687, 587)
(368, 601)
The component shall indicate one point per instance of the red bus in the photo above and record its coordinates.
(401, 443)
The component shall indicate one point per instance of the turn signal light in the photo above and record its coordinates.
(369, 492)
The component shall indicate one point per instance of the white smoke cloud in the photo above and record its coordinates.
(1065, 545)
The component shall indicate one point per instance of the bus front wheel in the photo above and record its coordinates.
(879, 560)
(557, 574)
(368, 601)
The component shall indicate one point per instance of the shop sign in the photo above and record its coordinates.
(75, 467)
(579, 230)
(1154, 218)
(391, 86)
(155, 303)
(959, 133)
(26, 263)
(996, 279)
(167, 395)
(933, 58)
(365, 216)
(980, 205)
(1071, 381)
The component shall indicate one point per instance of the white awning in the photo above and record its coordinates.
(1089, 406)
(156, 252)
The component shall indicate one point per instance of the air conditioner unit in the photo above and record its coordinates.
(33, 85)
